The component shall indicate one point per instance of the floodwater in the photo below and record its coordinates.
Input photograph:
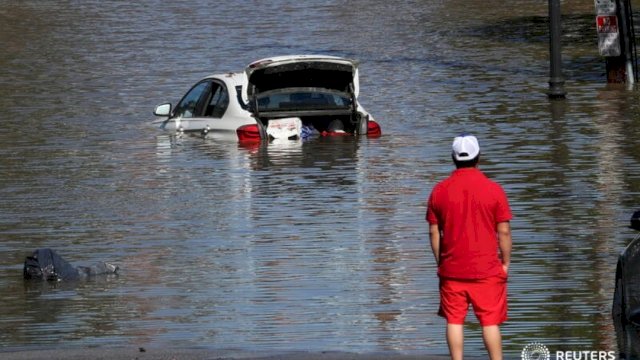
(315, 246)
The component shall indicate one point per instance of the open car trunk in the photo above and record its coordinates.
(316, 89)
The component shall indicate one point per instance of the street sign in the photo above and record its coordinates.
(605, 7)
(607, 24)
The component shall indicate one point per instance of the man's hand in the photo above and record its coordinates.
(505, 267)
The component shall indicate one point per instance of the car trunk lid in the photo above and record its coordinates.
(303, 71)
(315, 88)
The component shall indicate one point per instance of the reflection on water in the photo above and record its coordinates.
(320, 245)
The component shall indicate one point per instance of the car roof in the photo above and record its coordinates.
(232, 81)
(232, 78)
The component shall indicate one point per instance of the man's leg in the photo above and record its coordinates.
(489, 299)
(492, 341)
(455, 339)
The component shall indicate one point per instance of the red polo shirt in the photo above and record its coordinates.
(467, 207)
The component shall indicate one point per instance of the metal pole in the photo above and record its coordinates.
(626, 44)
(556, 80)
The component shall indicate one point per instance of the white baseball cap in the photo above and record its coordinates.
(465, 147)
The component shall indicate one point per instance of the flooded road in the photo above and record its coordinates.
(315, 246)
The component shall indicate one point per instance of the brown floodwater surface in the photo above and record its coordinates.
(308, 246)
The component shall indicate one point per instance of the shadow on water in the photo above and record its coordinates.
(578, 33)
(499, 38)
(577, 30)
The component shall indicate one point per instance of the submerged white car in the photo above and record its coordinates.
(314, 92)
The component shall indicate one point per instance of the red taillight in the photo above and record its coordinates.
(248, 133)
(373, 129)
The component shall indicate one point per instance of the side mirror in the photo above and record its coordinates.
(162, 110)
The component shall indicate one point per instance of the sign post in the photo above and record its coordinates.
(613, 40)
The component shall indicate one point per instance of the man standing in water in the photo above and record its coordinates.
(468, 217)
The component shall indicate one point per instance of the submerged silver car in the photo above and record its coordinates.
(314, 91)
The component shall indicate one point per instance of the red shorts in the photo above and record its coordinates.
(488, 297)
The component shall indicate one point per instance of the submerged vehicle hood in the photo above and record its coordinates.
(304, 71)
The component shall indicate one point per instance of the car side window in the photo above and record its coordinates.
(192, 103)
(218, 102)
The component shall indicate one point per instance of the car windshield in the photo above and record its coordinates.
(290, 99)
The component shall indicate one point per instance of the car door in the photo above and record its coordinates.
(214, 116)
(191, 107)
(208, 111)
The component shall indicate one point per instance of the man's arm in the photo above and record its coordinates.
(505, 243)
(434, 235)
